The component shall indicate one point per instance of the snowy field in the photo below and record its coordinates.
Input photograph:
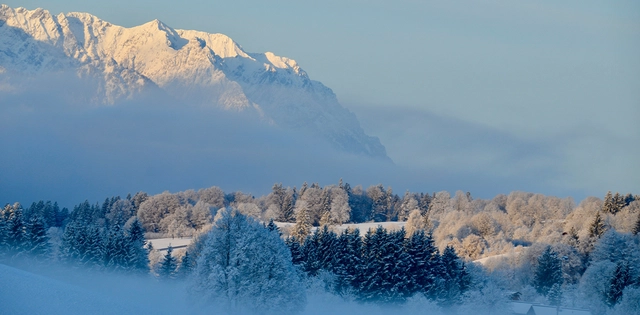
(161, 244)
(22, 292)
(62, 291)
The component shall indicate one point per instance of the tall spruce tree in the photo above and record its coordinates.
(311, 264)
(425, 267)
(346, 260)
(186, 266)
(456, 279)
(327, 240)
(636, 228)
(297, 255)
(116, 251)
(597, 227)
(16, 229)
(168, 265)
(620, 280)
(548, 271)
(137, 254)
(37, 242)
(555, 294)
(608, 206)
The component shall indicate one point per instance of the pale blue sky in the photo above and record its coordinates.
(561, 78)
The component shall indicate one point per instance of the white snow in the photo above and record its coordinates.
(192, 66)
(161, 244)
(23, 292)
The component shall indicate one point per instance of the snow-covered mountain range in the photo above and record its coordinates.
(194, 67)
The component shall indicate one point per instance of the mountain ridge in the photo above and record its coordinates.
(207, 69)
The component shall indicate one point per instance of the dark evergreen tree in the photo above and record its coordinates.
(297, 255)
(271, 226)
(597, 228)
(636, 228)
(555, 294)
(137, 254)
(311, 264)
(326, 247)
(620, 280)
(94, 247)
(347, 257)
(186, 266)
(4, 230)
(37, 242)
(425, 267)
(288, 206)
(61, 216)
(168, 266)
(138, 199)
(455, 278)
(608, 206)
(116, 249)
(618, 202)
(370, 276)
(15, 227)
(548, 271)
(396, 262)
(574, 239)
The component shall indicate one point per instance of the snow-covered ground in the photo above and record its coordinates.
(23, 292)
(161, 244)
(492, 259)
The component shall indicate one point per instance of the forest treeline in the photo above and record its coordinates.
(547, 249)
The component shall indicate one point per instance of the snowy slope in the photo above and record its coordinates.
(23, 292)
(198, 68)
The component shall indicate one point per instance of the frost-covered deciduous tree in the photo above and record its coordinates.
(415, 222)
(200, 215)
(246, 267)
(156, 208)
(340, 210)
(213, 196)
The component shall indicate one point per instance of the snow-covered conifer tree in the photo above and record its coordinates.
(327, 240)
(555, 294)
(168, 266)
(37, 242)
(636, 227)
(115, 254)
(137, 254)
(15, 227)
(597, 227)
(620, 280)
(303, 226)
(456, 278)
(548, 271)
(425, 268)
(186, 266)
(245, 267)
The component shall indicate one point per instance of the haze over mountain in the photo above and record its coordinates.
(194, 68)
